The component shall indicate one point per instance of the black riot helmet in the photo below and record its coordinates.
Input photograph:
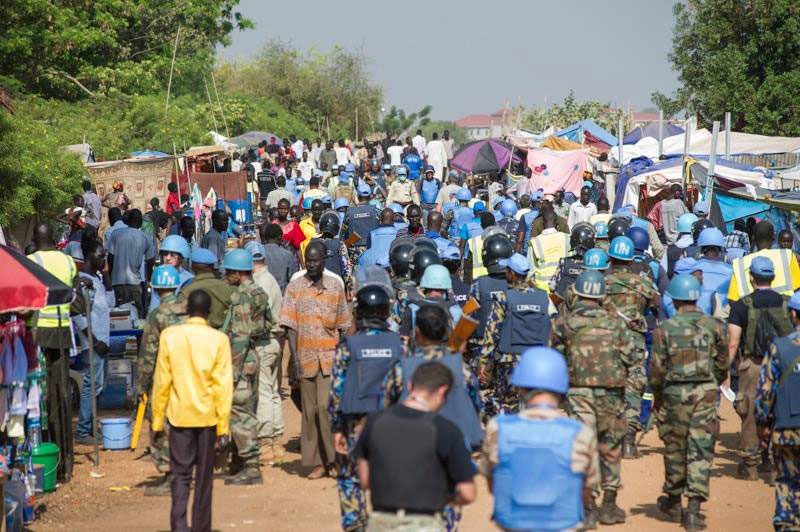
(329, 223)
(425, 242)
(421, 258)
(582, 238)
(617, 227)
(698, 226)
(372, 301)
(496, 248)
(399, 258)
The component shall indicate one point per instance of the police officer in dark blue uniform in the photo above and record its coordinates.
(581, 240)
(360, 219)
(451, 259)
(428, 189)
(359, 368)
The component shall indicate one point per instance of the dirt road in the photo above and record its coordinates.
(289, 502)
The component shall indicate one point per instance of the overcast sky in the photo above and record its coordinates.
(470, 56)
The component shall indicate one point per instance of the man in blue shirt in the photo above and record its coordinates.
(414, 163)
(128, 249)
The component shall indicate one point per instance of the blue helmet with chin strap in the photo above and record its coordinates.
(541, 368)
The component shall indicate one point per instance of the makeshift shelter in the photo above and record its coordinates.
(488, 156)
(554, 170)
(651, 130)
(142, 178)
(84, 150)
(252, 138)
(576, 132)
(558, 144)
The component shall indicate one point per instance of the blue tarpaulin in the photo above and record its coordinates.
(575, 132)
(734, 208)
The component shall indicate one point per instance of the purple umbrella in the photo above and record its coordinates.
(482, 156)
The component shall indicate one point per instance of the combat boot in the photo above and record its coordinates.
(629, 451)
(249, 476)
(610, 513)
(267, 452)
(278, 451)
(590, 521)
(747, 472)
(671, 506)
(163, 488)
(692, 520)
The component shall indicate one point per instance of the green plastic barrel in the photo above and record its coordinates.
(46, 455)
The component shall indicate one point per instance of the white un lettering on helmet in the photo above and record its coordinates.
(376, 353)
(622, 247)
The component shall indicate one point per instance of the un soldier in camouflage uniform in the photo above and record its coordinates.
(775, 385)
(600, 350)
(495, 364)
(631, 292)
(689, 362)
(248, 323)
(171, 311)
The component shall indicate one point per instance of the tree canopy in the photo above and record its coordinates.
(72, 50)
(742, 57)
(396, 122)
(561, 115)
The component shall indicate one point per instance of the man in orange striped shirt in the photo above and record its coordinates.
(315, 315)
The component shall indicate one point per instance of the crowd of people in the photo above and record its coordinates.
(431, 318)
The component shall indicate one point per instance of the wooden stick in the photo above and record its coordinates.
(213, 113)
(172, 67)
(221, 110)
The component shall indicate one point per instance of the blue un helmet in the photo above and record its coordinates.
(621, 248)
(595, 259)
(508, 208)
(685, 222)
(601, 230)
(640, 238)
(463, 194)
(204, 256)
(794, 302)
(541, 368)
(711, 236)
(165, 276)
(176, 244)
(238, 260)
(436, 277)
(591, 284)
(684, 287)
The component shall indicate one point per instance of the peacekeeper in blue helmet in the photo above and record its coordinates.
(777, 419)
(361, 362)
(435, 287)
(601, 235)
(508, 222)
(361, 219)
(461, 214)
(518, 319)
(678, 249)
(463, 403)
(524, 452)
(705, 303)
(717, 273)
(204, 265)
(595, 259)
(171, 311)
(174, 252)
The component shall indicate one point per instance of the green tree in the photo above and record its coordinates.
(458, 134)
(742, 57)
(70, 50)
(396, 121)
(38, 177)
(561, 115)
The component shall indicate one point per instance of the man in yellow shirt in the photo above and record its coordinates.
(787, 269)
(193, 387)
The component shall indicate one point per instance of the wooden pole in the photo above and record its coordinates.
(356, 139)
(660, 133)
(172, 67)
(620, 134)
(211, 104)
(221, 110)
(371, 123)
(177, 171)
(687, 135)
(328, 124)
(727, 135)
(712, 160)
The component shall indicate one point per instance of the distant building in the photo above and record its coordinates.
(483, 126)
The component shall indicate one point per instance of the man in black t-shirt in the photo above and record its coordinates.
(743, 320)
(414, 461)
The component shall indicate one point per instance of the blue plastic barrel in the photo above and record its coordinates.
(116, 433)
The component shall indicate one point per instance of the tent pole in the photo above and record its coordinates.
(177, 171)
(210, 107)
(660, 133)
(172, 68)
(712, 160)
(687, 135)
(727, 135)
(620, 134)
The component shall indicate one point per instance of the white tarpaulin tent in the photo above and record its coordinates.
(741, 143)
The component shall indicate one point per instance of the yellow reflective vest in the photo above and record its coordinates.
(545, 251)
(62, 267)
(787, 273)
(476, 248)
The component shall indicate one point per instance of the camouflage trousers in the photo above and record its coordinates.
(244, 423)
(602, 409)
(787, 487)
(352, 501)
(635, 385)
(688, 424)
(354, 253)
(400, 522)
(160, 452)
(506, 398)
